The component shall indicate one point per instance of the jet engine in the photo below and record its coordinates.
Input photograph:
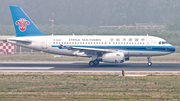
(113, 57)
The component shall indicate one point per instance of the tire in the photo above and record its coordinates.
(91, 63)
(96, 62)
(149, 64)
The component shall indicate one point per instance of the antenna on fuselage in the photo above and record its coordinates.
(52, 23)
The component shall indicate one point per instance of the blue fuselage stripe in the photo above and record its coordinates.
(131, 48)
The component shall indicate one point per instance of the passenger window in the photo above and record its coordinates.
(160, 42)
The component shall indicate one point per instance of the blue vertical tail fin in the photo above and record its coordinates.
(23, 24)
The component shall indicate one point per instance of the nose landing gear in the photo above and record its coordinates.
(149, 61)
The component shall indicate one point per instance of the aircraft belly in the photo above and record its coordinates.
(147, 53)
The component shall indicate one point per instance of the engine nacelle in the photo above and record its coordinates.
(113, 57)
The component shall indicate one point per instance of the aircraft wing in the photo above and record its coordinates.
(90, 51)
(86, 50)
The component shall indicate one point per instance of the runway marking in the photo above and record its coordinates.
(37, 62)
(26, 68)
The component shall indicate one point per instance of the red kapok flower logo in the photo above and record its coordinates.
(22, 24)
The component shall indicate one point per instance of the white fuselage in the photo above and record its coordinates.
(129, 45)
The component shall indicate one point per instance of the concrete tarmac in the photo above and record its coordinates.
(71, 66)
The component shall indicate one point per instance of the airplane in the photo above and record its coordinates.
(101, 48)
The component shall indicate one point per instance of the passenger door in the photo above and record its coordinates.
(44, 43)
(148, 43)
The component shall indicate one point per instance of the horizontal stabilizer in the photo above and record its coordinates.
(20, 40)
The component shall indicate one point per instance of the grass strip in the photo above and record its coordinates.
(88, 87)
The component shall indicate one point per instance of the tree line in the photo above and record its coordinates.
(172, 36)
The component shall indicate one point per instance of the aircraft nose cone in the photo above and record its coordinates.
(173, 49)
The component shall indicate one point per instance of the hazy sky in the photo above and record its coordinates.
(93, 12)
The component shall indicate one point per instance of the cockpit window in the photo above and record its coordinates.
(162, 42)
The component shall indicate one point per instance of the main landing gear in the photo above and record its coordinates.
(94, 63)
(149, 61)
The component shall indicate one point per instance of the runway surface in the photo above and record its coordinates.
(71, 66)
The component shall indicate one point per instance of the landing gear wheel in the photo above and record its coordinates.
(149, 64)
(96, 62)
(91, 63)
